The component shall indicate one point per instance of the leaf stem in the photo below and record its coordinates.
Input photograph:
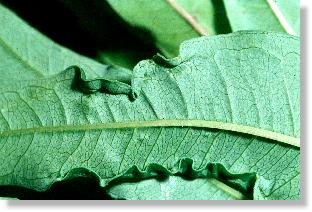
(227, 189)
(189, 18)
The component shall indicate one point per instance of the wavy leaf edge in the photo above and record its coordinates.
(238, 185)
(155, 170)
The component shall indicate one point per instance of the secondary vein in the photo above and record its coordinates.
(17, 56)
(227, 189)
(293, 141)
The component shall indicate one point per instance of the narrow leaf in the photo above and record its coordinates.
(267, 15)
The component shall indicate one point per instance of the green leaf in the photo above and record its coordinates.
(116, 42)
(266, 15)
(227, 108)
(175, 188)
(8, 198)
(186, 183)
(126, 57)
(27, 54)
(170, 21)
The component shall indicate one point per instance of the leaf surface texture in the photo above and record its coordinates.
(245, 79)
(267, 15)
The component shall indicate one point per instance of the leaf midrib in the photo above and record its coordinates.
(278, 137)
(17, 56)
(187, 17)
(280, 17)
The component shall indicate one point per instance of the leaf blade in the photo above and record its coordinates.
(279, 15)
(165, 91)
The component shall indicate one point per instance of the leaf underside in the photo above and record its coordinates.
(243, 79)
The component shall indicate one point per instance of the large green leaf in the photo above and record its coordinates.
(267, 15)
(225, 111)
(169, 21)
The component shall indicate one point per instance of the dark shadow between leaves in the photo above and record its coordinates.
(87, 27)
(51, 18)
(79, 188)
(222, 23)
(81, 183)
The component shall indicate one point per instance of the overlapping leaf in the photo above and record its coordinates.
(230, 100)
(170, 22)
(267, 15)
(225, 111)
